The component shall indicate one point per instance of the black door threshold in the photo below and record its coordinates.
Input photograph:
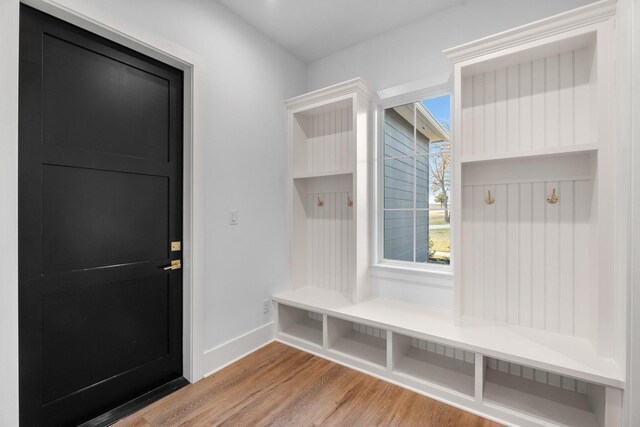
(136, 404)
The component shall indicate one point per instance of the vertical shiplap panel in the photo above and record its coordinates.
(315, 144)
(478, 114)
(489, 254)
(338, 247)
(310, 240)
(490, 112)
(467, 116)
(468, 256)
(328, 154)
(565, 257)
(322, 234)
(309, 132)
(500, 263)
(501, 110)
(321, 143)
(538, 113)
(513, 250)
(339, 141)
(352, 248)
(566, 98)
(333, 158)
(335, 139)
(584, 316)
(525, 252)
(316, 241)
(477, 279)
(344, 219)
(525, 108)
(538, 256)
(331, 265)
(513, 98)
(344, 139)
(582, 66)
(552, 101)
(352, 136)
(551, 271)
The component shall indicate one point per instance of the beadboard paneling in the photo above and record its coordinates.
(322, 145)
(534, 105)
(329, 246)
(538, 375)
(527, 262)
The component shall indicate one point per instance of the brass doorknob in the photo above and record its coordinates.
(175, 265)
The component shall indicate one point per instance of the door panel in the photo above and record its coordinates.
(101, 331)
(111, 107)
(100, 200)
(126, 213)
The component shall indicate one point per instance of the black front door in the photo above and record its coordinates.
(100, 201)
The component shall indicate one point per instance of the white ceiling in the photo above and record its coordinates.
(313, 29)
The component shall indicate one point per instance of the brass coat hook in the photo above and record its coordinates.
(320, 202)
(489, 199)
(553, 198)
(349, 202)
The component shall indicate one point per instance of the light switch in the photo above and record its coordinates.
(233, 217)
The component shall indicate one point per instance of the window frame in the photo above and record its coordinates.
(394, 269)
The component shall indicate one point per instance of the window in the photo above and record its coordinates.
(416, 182)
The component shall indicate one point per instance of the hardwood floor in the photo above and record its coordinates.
(281, 386)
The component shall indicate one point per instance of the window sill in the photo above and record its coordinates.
(427, 276)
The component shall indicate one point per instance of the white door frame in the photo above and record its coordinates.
(176, 56)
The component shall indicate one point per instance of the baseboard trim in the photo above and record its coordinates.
(227, 353)
(136, 404)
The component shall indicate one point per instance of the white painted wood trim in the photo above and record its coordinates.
(328, 94)
(565, 355)
(544, 28)
(231, 351)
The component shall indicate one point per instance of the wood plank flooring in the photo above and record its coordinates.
(281, 386)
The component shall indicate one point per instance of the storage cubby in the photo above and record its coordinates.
(541, 98)
(545, 396)
(323, 139)
(328, 174)
(528, 260)
(323, 225)
(533, 145)
(300, 324)
(434, 364)
(357, 340)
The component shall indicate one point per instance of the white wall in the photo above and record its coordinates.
(414, 52)
(241, 161)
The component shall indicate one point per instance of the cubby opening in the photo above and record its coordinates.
(434, 364)
(323, 253)
(357, 340)
(323, 139)
(301, 324)
(533, 100)
(543, 395)
(530, 252)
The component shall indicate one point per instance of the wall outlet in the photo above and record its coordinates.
(266, 306)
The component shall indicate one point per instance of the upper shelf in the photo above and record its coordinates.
(321, 174)
(536, 153)
(565, 355)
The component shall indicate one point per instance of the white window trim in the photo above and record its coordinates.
(416, 273)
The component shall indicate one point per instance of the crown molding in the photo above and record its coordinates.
(563, 22)
(330, 93)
